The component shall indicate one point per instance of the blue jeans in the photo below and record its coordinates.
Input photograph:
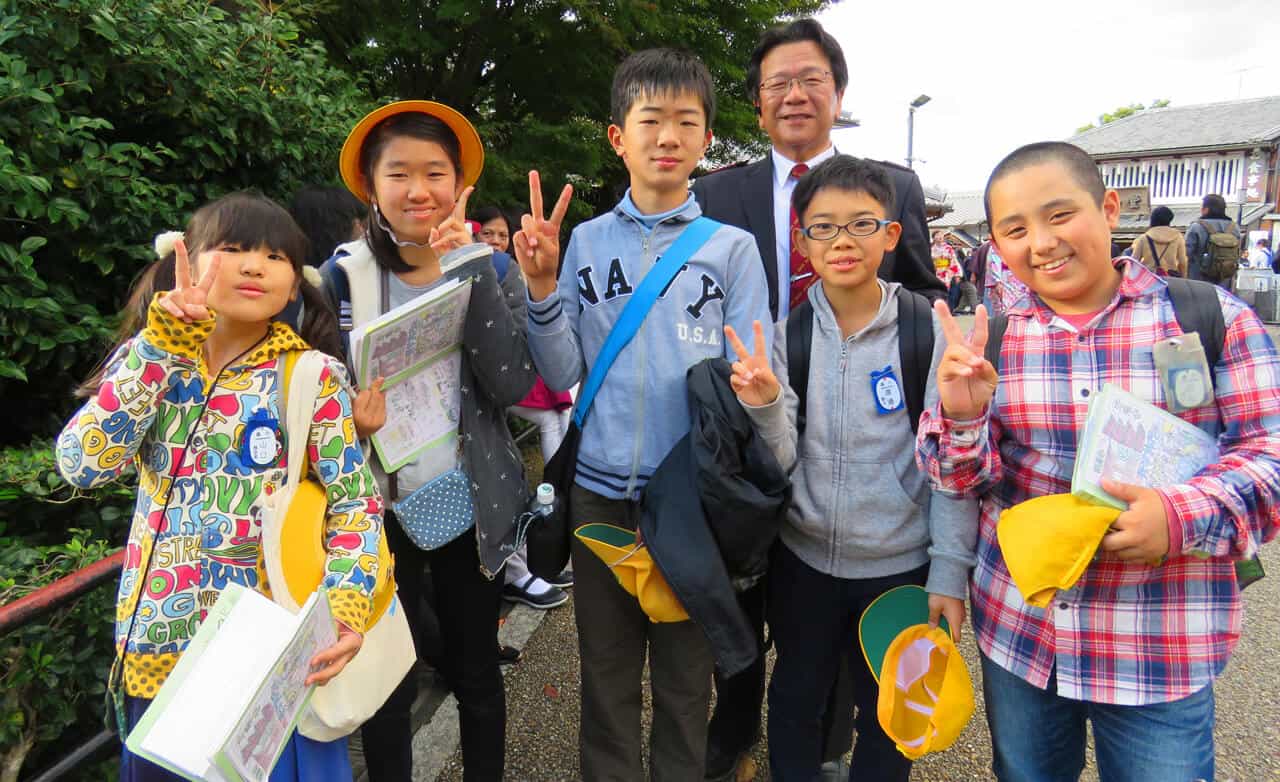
(1039, 736)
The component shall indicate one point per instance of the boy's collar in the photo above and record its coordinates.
(1136, 281)
(687, 211)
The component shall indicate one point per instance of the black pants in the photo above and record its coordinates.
(813, 617)
(735, 721)
(467, 606)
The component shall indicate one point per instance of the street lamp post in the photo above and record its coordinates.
(911, 124)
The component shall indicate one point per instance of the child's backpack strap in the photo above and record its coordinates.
(1196, 306)
(915, 349)
(997, 325)
(915, 352)
(799, 345)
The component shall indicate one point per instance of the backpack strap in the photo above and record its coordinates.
(1154, 252)
(915, 350)
(799, 346)
(1196, 307)
(997, 325)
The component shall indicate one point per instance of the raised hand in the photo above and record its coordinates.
(966, 380)
(537, 243)
(752, 379)
(188, 302)
(369, 410)
(453, 232)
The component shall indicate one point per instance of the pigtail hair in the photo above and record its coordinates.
(319, 325)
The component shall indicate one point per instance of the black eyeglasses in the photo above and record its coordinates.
(863, 226)
(810, 81)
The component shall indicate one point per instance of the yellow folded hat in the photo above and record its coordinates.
(1048, 542)
(633, 566)
(926, 696)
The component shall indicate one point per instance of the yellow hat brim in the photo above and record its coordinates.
(471, 149)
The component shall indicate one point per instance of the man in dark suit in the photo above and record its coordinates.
(796, 78)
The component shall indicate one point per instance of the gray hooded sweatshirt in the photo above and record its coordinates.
(860, 506)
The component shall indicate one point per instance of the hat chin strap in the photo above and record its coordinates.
(382, 223)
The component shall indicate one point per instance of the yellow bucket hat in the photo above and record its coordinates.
(472, 151)
(633, 566)
(926, 696)
(1048, 542)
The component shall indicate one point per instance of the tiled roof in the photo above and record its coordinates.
(1230, 123)
(967, 210)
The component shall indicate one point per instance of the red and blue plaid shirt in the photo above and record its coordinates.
(1125, 633)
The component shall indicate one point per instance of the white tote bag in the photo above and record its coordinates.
(350, 698)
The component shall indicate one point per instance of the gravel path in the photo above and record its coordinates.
(542, 703)
(542, 707)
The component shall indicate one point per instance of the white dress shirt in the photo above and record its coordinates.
(783, 184)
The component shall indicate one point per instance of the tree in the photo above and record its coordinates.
(117, 118)
(1121, 113)
(535, 74)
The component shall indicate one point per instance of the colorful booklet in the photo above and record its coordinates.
(417, 349)
(231, 703)
(1133, 441)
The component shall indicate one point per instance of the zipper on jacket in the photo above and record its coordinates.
(643, 361)
(840, 444)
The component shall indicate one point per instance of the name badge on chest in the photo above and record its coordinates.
(887, 391)
(260, 446)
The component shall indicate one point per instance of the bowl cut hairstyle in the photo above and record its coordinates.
(652, 72)
(848, 173)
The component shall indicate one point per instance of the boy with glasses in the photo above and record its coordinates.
(863, 518)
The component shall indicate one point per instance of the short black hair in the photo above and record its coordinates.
(1161, 215)
(661, 72)
(848, 173)
(795, 32)
(1216, 204)
(327, 215)
(1077, 162)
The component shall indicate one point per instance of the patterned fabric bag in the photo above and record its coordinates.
(438, 511)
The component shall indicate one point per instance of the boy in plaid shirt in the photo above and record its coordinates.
(1133, 647)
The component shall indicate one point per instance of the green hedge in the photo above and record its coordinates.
(117, 119)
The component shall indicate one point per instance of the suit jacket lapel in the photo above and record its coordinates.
(757, 196)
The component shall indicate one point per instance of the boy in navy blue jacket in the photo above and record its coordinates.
(663, 103)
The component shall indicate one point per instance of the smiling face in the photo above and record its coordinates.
(253, 285)
(661, 141)
(414, 186)
(798, 120)
(1055, 237)
(847, 262)
(495, 234)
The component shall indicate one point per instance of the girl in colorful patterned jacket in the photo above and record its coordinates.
(180, 400)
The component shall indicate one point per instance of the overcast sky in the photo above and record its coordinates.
(1007, 72)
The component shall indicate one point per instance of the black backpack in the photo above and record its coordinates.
(915, 352)
(1195, 305)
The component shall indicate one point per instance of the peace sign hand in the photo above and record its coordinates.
(753, 379)
(187, 302)
(453, 232)
(966, 380)
(537, 244)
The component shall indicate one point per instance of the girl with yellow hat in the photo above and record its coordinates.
(414, 163)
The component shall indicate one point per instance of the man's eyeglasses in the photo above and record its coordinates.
(810, 81)
(863, 226)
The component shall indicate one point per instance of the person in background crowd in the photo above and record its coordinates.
(329, 216)
(1161, 248)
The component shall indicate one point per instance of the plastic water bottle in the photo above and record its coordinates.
(543, 503)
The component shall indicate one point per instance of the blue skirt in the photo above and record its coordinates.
(303, 759)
